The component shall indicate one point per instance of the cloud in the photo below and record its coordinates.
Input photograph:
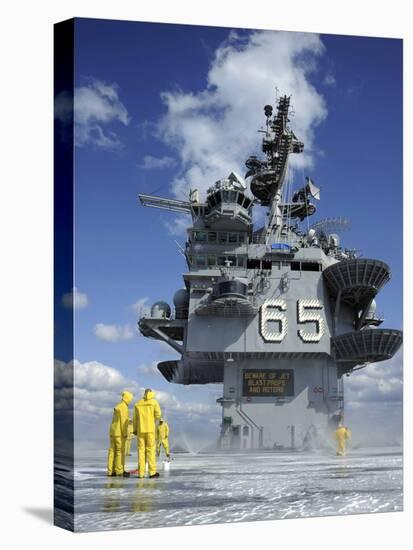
(153, 163)
(91, 389)
(185, 413)
(90, 375)
(96, 388)
(151, 369)
(114, 333)
(141, 307)
(213, 131)
(74, 299)
(95, 107)
(377, 383)
(177, 225)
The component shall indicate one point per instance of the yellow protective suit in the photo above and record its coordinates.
(342, 434)
(129, 438)
(162, 438)
(147, 412)
(117, 434)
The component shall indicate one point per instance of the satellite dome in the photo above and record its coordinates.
(181, 303)
(181, 298)
(160, 310)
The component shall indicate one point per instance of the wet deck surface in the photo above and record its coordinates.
(219, 488)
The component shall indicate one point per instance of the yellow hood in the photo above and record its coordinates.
(149, 395)
(127, 396)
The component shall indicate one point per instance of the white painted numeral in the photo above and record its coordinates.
(306, 316)
(270, 313)
(308, 311)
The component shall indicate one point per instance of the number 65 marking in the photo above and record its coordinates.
(306, 316)
(272, 312)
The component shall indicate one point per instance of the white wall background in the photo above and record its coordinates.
(26, 268)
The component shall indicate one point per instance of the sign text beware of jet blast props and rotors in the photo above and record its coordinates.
(268, 382)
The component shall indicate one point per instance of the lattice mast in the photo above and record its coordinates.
(268, 175)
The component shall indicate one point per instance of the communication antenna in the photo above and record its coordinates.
(326, 226)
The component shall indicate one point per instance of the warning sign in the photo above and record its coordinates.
(268, 383)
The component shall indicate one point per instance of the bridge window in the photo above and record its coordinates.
(212, 261)
(223, 237)
(310, 266)
(253, 264)
(305, 266)
(200, 236)
(247, 203)
(232, 196)
(258, 264)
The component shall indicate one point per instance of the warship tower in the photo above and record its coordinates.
(277, 314)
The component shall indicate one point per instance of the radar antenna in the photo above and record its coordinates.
(326, 226)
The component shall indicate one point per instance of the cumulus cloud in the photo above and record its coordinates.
(141, 307)
(376, 383)
(74, 299)
(213, 131)
(374, 403)
(91, 389)
(183, 411)
(149, 369)
(95, 108)
(114, 333)
(153, 163)
(176, 226)
(95, 387)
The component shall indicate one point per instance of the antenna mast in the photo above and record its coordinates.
(268, 175)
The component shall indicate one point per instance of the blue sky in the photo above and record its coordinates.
(161, 107)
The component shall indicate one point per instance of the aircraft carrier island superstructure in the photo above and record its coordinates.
(277, 314)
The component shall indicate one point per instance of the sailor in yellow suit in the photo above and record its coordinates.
(342, 435)
(129, 438)
(162, 438)
(118, 433)
(147, 412)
